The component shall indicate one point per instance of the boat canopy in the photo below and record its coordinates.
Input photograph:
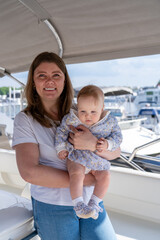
(116, 91)
(79, 31)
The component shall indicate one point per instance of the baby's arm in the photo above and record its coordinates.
(115, 138)
(63, 154)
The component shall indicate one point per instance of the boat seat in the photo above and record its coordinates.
(4, 142)
(16, 217)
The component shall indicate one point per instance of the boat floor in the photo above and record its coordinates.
(126, 227)
(132, 228)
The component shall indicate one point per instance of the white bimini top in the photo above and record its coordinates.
(28, 130)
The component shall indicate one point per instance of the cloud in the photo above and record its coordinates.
(138, 71)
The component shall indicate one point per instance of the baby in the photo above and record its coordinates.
(91, 114)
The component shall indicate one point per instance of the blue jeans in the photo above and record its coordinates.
(54, 222)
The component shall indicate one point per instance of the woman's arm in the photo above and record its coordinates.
(109, 155)
(85, 140)
(27, 156)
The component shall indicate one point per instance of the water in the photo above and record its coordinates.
(10, 109)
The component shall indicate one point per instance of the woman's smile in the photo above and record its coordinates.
(49, 89)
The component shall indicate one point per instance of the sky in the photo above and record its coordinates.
(132, 72)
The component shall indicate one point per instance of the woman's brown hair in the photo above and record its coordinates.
(35, 106)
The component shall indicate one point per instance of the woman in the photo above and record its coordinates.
(49, 95)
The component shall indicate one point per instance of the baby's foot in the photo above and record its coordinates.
(96, 207)
(84, 211)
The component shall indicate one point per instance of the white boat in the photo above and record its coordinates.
(134, 135)
(132, 202)
(133, 130)
(147, 96)
(152, 115)
(81, 31)
(118, 101)
(16, 215)
(6, 125)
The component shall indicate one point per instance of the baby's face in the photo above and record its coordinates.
(89, 110)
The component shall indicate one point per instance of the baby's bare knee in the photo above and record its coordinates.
(102, 176)
(76, 170)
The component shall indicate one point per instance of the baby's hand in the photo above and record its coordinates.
(102, 144)
(63, 154)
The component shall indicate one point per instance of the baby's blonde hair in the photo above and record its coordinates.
(91, 91)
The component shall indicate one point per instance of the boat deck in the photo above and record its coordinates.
(131, 228)
(130, 191)
(126, 227)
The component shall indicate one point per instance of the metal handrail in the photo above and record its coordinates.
(142, 147)
(131, 163)
(133, 155)
(148, 157)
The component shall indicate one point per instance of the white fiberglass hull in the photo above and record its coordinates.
(132, 201)
(138, 136)
(133, 204)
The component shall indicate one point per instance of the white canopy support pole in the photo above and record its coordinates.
(6, 73)
(53, 30)
(43, 16)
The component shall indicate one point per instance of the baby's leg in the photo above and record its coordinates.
(101, 186)
(76, 174)
(102, 183)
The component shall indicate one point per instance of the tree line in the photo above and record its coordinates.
(5, 90)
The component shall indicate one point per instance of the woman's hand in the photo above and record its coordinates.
(82, 138)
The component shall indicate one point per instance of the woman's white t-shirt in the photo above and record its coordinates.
(28, 130)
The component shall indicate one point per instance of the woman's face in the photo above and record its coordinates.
(49, 81)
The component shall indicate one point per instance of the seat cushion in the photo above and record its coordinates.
(16, 216)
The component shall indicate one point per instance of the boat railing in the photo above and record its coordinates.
(131, 163)
(129, 159)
